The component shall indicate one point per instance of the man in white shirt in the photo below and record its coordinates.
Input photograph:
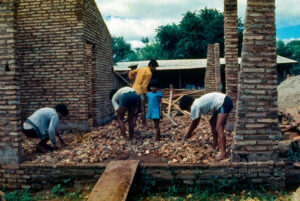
(217, 104)
(125, 99)
(42, 124)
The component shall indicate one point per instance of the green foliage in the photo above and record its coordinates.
(121, 50)
(290, 50)
(150, 51)
(19, 196)
(189, 39)
(58, 190)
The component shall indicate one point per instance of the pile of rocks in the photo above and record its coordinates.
(105, 143)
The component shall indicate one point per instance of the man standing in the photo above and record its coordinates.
(125, 99)
(142, 78)
(42, 124)
(217, 104)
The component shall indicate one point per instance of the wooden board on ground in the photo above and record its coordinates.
(115, 181)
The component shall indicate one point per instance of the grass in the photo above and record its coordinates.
(175, 193)
(67, 191)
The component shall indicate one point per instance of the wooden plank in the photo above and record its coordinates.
(171, 120)
(118, 74)
(115, 181)
(170, 100)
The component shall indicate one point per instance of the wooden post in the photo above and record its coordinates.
(170, 100)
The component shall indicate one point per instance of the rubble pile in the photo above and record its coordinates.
(105, 143)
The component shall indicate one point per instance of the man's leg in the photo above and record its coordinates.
(131, 114)
(221, 122)
(157, 129)
(213, 122)
(43, 147)
(120, 113)
(142, 97)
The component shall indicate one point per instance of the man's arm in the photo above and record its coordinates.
(59, 137)
(52, 128)
(193, 126)
(132, 73)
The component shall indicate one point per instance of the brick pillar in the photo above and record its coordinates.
(256, 129)
(210, 78)
(231, 55)
(10, 139)
(217, 66)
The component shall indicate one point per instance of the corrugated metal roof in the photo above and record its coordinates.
(182, 64)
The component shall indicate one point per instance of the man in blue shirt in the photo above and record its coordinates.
(42, 124)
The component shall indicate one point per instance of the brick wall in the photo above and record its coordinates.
(10, 142)
(52, 41)
(102, 61)
(63, 55)
(37, 177)
(231, 55)
(256, 132)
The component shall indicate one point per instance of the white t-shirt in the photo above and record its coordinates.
(207, 104)
(118, 95)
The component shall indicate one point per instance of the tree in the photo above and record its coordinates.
(189, 39)
(290, 50)
(122, 51)
(150, 51)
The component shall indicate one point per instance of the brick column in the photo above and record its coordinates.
(256, 130)
(10, 139)
(10, 142)
(210, 78)
(217, 66)
(231, 55)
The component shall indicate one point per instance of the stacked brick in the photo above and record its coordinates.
(217, 66)
(256, 132)
(10, 141)
(54, 38)
(37, 177)
(231, 55)
(210, 79)
(212, 73)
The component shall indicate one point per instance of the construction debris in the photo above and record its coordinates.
(95, 146)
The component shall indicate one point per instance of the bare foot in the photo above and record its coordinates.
(221, 156)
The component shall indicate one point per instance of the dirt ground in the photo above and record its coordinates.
(104, 143)
(289, 96)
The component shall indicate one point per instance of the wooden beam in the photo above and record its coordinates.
(115, 181)
(171, 120)
(170, 100)
(118, 74)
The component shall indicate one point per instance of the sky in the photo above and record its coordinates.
(134, 19)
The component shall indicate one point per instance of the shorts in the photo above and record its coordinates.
(34, 132)
(227, 106)
(129, 100)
